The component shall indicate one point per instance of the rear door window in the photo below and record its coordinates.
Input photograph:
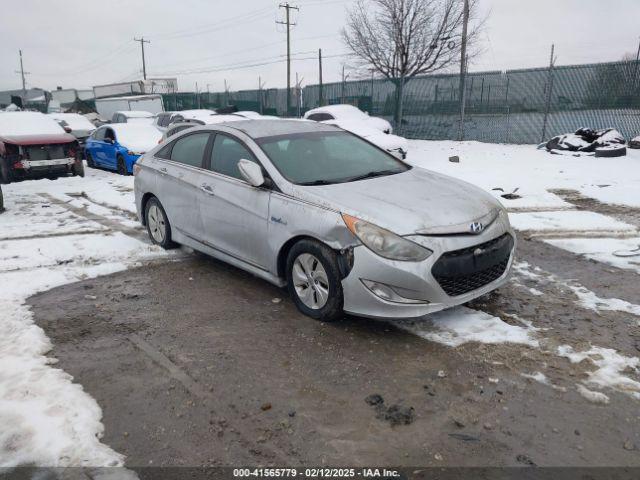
(189, 150)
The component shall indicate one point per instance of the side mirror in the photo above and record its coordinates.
(251, 172)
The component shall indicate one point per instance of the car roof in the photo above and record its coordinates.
(130, 127)
(341, 109)
(268, 127)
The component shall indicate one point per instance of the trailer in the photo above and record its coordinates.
(106, 107)
(137, 87)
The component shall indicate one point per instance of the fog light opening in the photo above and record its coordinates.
(387, 292)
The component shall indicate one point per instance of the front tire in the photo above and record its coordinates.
(158, 226)
(314, 281)
(90, 162)
(122, 166)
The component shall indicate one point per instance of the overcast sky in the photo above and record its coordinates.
(81, 43)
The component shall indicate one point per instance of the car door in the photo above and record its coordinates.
(179, 179)
(94, 145)
(234, 214)
(109, 148)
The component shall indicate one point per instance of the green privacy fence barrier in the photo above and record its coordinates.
(505, 107)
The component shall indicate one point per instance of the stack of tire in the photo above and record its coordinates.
(602, 143)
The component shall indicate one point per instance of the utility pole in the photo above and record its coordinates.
(288, 23)
(144, 65)
(22, 74)
(372, 72)
(197, 95)
(344, 84)
(635, 75)
(547, 106)
(463, 68)
(260, 87)
(299, 95)
(320, 99)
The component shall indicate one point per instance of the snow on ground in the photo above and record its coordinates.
(612, 369)
(609, 367)
(585, 298)
(532, 172)
(459, 325)
(32, 217)
(47, 419)
(617, 252)
(567, 220)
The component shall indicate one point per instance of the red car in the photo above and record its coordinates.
(33, 145)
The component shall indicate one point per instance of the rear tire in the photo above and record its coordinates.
(158, 226)
(90, 162)
(78, 168)
(122, 166)
(314, 280)
(6, 175)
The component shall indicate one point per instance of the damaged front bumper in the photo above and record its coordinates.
(462, 267)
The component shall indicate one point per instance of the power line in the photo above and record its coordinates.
(222, 24)
(242, 66)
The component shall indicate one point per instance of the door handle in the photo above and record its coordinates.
(207, 189)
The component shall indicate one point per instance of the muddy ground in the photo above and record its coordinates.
(195, 362)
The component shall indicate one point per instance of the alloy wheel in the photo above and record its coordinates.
(310, 281)
(157, 225)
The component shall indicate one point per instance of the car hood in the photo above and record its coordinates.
(416, 201)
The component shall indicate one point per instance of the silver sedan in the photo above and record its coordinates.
(344, 225)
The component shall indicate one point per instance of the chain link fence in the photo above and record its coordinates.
(508, 107)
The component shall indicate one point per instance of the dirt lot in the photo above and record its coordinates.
(197, 363)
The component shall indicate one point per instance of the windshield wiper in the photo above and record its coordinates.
(317, 182)
(377, 173)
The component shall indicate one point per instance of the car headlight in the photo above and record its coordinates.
(385, 243)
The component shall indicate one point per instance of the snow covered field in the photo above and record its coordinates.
(46, 418)
(57, 232)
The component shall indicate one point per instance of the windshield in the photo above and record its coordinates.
(321, 158)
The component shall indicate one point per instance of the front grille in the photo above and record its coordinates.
(454, 286)
(462, 271)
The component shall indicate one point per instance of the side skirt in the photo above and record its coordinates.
(183, 239)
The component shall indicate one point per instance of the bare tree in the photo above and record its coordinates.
(400, 39)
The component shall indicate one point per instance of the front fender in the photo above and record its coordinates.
(290, 218)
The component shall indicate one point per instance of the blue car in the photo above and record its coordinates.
(118, 146)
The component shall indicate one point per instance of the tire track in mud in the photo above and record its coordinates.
(137, 233)
(624, 213)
